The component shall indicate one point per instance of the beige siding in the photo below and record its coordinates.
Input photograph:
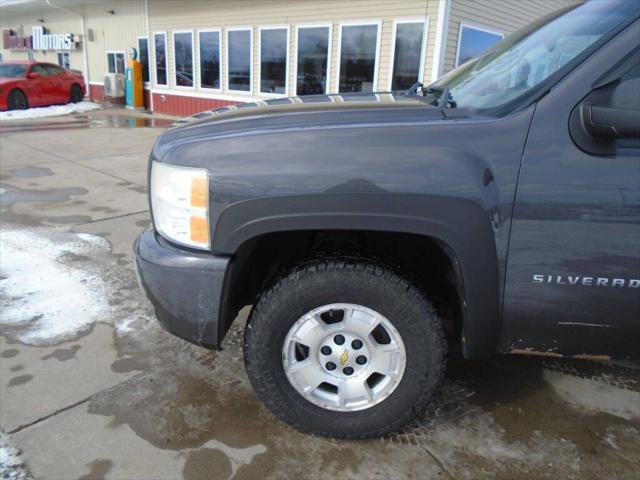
(168, 16)
(501, 16)
(117, 32)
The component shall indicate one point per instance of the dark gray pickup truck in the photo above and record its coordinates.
(499, 206)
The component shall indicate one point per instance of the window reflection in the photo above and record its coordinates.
(358, 58)
(210, 59)
(273, 60)
(143, 56)
(183, 55)
(239, 58)
(160, 44)
(473, 42)
(313, 48)
(407, 55)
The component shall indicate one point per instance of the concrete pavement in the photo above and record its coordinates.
(92, 387)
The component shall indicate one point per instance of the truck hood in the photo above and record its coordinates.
(314, 111)
(305, 104)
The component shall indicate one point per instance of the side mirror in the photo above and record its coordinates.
(33, 75)
(607, 115)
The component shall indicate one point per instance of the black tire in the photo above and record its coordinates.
(17, 100)
(345, 280)
(76, 94)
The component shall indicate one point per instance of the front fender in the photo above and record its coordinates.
(460, 224)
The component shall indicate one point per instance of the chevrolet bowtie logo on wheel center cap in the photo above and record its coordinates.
(344, 357)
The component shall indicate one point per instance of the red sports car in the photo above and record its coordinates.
(37, 84)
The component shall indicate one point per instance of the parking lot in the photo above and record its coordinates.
(92, 387)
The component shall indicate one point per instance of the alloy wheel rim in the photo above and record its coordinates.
(344, 357)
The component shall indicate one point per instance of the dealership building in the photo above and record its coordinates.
(199, 54)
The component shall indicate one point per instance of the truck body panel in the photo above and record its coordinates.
(573, 274)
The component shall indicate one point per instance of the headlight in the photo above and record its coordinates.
(180, 204)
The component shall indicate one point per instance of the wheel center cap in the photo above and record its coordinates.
(343, 354)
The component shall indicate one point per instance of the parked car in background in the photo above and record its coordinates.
(35, 84)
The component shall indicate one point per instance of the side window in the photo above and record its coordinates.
(40, 70)
(54, 70)
(627, 97)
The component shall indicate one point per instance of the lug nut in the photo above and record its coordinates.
(339, 339)
(326, 350)
(361, 360)
(347, 370)
(356, 344)
(330, 366)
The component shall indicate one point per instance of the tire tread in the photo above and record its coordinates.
(285, 281)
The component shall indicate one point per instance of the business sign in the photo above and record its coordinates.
(40, 39)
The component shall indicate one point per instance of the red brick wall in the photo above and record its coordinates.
(185, 106)
(165, 103)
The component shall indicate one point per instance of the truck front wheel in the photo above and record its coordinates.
(344, 348)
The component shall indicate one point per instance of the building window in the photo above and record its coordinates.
(63, 60)
(358, 58)
(407, 54)
(313, 60)
(115, 62)
(160, 49)
(473, 41)
(183, 58)
(143, 56)
(274, 60)
(209, 50)
(239, 59)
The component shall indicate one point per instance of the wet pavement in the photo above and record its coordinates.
(92, 387)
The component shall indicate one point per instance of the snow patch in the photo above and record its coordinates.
(11, 465)
(46, 292)
(51, 111)
(56, 284)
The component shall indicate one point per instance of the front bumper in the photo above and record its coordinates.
(185, 287)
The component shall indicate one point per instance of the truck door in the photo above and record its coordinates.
(573, 270)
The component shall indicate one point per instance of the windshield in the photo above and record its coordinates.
(515, 70)
(12, 70)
